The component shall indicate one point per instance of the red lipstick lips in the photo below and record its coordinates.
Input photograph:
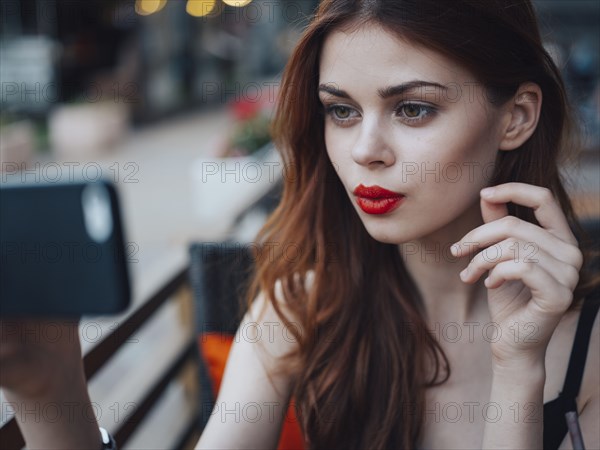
(377, 200)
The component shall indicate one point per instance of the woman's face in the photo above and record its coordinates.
(411, 121)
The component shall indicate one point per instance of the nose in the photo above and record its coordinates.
(372, 149)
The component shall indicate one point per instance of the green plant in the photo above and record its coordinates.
(249, 136)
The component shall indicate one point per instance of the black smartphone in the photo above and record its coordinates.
(63, 252)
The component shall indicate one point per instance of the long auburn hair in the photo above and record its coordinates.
(359, 376)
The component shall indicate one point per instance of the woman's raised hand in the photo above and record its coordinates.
(533, 270)
(36, 355)
(41, 365)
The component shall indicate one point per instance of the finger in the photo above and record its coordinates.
(548, 295)
(521, 230)
(513, 250)
(546, 209)
(491, 211)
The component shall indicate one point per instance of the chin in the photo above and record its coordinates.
(392, 233)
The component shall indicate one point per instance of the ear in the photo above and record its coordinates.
(522, 115)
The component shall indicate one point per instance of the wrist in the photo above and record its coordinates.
(73, 424)
(526, 362)
(54, 386)
(521, 373)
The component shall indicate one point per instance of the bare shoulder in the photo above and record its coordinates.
(254, 394)
(270, 329)
(263, 312)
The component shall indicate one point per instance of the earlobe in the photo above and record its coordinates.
(523, 115)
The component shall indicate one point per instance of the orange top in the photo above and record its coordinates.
(215, 350)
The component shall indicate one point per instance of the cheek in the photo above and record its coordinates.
(335, 153)
(338, 144)
(329, 143)
(462, 152)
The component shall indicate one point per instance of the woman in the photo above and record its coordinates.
(393, 117)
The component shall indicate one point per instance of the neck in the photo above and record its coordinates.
(436, 272)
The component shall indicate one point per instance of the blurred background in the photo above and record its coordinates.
(171, 100)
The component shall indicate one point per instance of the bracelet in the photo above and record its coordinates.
(108, 442)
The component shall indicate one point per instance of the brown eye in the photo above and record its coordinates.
(342, 112)
(414, 113)
(411, 110)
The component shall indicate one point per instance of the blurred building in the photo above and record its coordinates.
(159, 56)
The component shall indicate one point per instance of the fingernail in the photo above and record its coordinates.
(487, 192)
(463, 274)
(454, 249)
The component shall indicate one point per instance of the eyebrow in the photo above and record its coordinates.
(384, 93)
